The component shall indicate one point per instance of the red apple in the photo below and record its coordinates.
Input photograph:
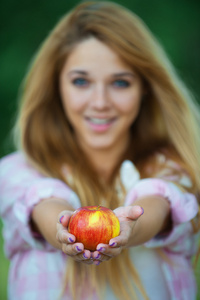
(92, 225)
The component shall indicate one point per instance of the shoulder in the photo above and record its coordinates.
(15, 158)
(16, 165)
(167, 165)
(20, 182)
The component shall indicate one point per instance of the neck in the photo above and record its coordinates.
(104, 161)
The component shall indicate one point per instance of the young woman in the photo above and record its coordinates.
(104, 120)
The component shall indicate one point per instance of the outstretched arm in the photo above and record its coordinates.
(137, 227)
(45, 217)
(156, 219)
(46, 220)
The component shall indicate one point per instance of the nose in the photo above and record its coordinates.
(100, 99)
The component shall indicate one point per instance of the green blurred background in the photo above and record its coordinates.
(25, 24)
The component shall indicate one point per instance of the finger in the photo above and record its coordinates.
(123, 238)
(106, 252)
(99, 258)
(64, 216)
(85, 257)
(129, 212)
(72, 249)
(96, 255)
(76, 253)
(63, 236)
(103, 257)
(135, 212)
(87, 254)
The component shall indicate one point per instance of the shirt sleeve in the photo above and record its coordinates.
(184, 207)
(22, 187)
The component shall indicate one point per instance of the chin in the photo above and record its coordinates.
(101, 144)
(94, 142)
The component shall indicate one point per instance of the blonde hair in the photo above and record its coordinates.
(168, 117)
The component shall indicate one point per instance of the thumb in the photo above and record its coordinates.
(64, 217)
(134, 212)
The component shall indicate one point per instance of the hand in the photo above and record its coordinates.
(127, 216)
(68, 241)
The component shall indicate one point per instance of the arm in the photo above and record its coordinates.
(156, 219)
(45, 217)
(22, 190)
(166, 209)
(138, 227)
(46, 220)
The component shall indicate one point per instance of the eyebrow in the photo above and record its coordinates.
(78, 72)
(124, 74)
(81, 72)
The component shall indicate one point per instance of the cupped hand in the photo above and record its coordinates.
(127, 217)
(68, 241)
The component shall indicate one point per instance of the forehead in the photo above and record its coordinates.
(94, 53)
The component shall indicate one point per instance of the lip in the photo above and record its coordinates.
(100, 124)
(99, 117)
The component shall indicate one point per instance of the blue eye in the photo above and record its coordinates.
(121, 83)
(80, 82)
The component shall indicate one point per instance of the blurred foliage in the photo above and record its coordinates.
(25, 24)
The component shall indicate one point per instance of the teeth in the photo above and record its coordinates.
(99, 121)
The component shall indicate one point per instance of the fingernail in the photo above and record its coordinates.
(98, 256)
(70, 240)
(61, 219)
(101, 249)
(97, 262)
(142, 210)
(78, 249)
(113, 244)
(85, 256)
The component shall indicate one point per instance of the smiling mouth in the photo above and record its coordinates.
(98, 121)
(100, 125)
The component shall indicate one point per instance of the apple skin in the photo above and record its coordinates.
(92, 225)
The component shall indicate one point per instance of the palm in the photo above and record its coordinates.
(127, 217)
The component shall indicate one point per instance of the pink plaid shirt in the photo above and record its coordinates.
(37, 269)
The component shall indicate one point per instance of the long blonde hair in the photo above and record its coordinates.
(168, 117)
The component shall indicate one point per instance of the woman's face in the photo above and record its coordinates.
(101, 95)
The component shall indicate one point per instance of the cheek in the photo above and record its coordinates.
(130, 104)
(72, 102)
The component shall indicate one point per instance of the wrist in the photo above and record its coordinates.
(155, 219)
